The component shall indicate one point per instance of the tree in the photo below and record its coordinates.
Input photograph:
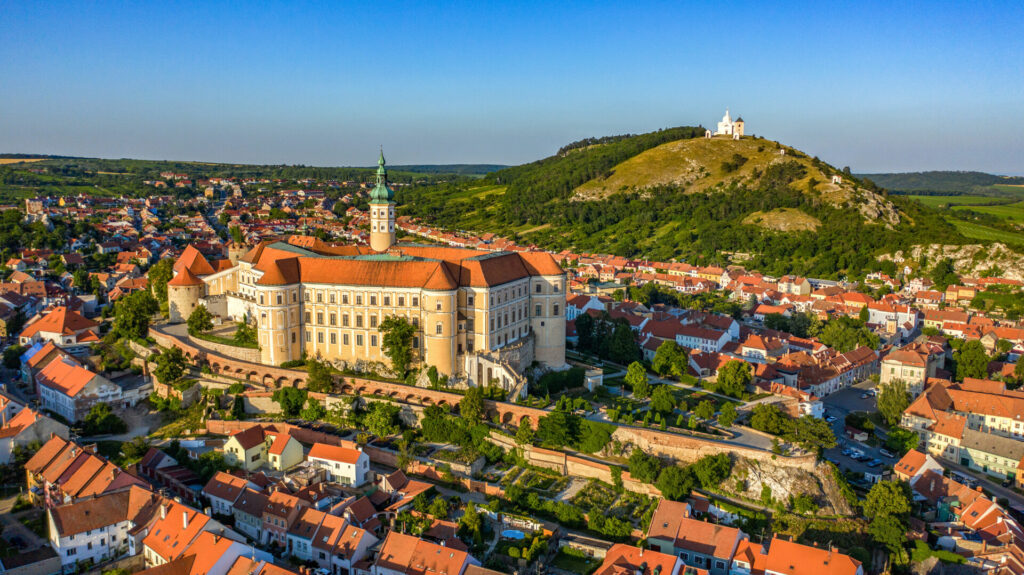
(971, 360)
(675, 483)
(662, 399)
(200, 320)
(636, 377)
(132, 313)
(623, 347)
(525, 433)
(12, 356)
(396, 342)
(712, 470)
(245, 334)
(319, 378)
(291, 400)
(471, 525)
(812, 433)
(170, 366)
(101, 420)
(888, 506)
(705, 409)
(670, 359)
(727, 415)
(864, 314)
(381, 420)
(769, 418)
(944, 274)
(313, 411)
(643, 467)
(893, 399)
(733, 378)
(1018, 370)
(471, 406)
(238, 408)
(585, 333)
(159, 274)
(439, 508)
(902, 440)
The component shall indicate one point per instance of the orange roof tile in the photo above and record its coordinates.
(334, 453)
(61, 320)
(66, 376)
(185, 277)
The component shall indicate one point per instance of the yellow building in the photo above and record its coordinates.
(284, 452)
(247, 449)
(480, 316)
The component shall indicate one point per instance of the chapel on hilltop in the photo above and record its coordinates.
(729, 127)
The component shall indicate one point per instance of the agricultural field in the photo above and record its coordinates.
(985, 233)
(958, 200)
(1013, 212)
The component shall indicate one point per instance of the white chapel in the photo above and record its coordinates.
(728, 127)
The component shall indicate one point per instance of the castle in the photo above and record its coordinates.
(729, 127)
(481, 317)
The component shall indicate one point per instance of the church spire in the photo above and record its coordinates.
(381, 193)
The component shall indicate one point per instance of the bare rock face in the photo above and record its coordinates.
(968, 259)
(785, 482)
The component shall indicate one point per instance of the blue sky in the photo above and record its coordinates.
(882, 86)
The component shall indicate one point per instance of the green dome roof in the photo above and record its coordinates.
(381, 193)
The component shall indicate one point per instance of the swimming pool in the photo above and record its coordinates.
(513, 534)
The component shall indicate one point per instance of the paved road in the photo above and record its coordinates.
(985, 481)
(839, 405)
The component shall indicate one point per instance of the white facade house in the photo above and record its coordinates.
(342, 464)
(701, 338)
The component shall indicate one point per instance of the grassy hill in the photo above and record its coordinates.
(674, 194)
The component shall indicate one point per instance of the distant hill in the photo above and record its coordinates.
(941, 182)
(459, 169)
(673, 194)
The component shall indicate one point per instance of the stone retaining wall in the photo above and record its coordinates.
(246, 354)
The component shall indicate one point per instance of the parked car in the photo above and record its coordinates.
(886, 453)
(830, 419)
(874, 463)
(864, 396)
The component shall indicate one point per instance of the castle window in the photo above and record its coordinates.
(359, 300)
(537, 310)
(344, 298)
(373, 341)
(555, 312)
(387, 300)
(344, 339)
(401, 301)
(506, 319)
(492, 300)
(373, 300)
(332, 297)
(538, 288)
(309, 336)
(415, 301)
(492, 324)
(373, 321)
(344, 319)
(439, 328)
(334, 338)
(261, 299)
(469, 301)
(305, 296)
(334, 319)
(319, 337)
(263, 319)
(438, 305)
(279, 302)
(320, 318)
(469, 345)
(319, 297)
(294, 297)
(416, 321)
(307, 317)
(415, 343)
(359, 321)
(359, 339)
(469, 324)
(293, 337)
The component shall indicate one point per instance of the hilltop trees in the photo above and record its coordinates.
(636, 377)
(132, 314)
(733, 378)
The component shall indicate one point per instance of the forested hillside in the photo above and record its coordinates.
(725, 210)
(940, 182)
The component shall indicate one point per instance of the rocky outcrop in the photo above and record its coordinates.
(968, 259)
(786, 481)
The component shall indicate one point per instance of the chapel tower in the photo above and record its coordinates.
(382, 211)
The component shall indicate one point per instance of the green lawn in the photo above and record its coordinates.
(580, 565)
(921, 551)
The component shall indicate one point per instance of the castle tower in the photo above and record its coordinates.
(382, 211)
(183, 294)
(235, 251)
